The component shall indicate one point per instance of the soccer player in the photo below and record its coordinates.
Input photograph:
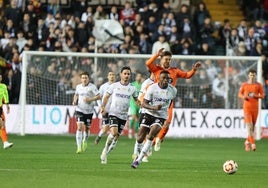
(4, 99)
(156, 102)
(134, 108)
(120, 93)
(85, 95)
(105, 121)
(175, 73)
(144, 86)
(251, 91)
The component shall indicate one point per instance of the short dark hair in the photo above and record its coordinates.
(84, 73)
(125, 68)
(164, 72)
(252, 71)
(166, 53)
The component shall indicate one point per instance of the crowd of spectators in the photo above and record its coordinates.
(147, 24)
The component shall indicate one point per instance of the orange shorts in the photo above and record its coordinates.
(250, 116)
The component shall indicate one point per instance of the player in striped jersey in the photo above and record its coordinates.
(85, 95)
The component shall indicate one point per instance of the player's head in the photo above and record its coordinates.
(84, 76)
(111, 77)
(165, 59)
(164, 79)
(125, 73)
(252, 74)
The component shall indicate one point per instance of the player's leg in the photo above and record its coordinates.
(161, 135)
(139, 141)
(114, 122)
(131, 121)
(121, 125)
(104, 129)
(80, 128)
(3, 135)
(154, 130)
(252, 140)
(250, 129)
(86, 134)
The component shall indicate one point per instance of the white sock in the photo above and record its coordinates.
(112, 146)
(137, 148)
(100, 133)
(79, 138)
(145, 149)
(109, 140)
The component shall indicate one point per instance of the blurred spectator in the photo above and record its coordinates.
(100, 13)
(224, 32)
(187, 30)
(127, 14)
(204, 49)
(234, 38)
(145, 46)
(200, 14)
(184, 12)
(27, 26)
(14, 13)
(218, 91)
(86, 14)
(205, 88)
(205, 33)
(250, 40)
(9, 27)
(257, 50)
(161, 43)
(53, 7)
(240, 50)
(114, 15)
(21, 40)
(242, 29)
(81, 34)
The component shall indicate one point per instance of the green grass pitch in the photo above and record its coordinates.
(44, 161)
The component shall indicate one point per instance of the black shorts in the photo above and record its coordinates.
(83, 118)
(105, 119)
(117, 122)
(149, 120)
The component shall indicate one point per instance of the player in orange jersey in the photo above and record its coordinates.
(175, 73)
(251, 91)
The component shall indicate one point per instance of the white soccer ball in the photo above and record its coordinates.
(230, 167)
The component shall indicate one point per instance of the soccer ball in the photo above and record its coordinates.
(230, 167)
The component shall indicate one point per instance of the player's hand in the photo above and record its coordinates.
(160, 52)
(158, 107)
(197, 65)
(74, 103)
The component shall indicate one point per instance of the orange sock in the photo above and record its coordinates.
(251, 139)
(3, 134)
(162, 133)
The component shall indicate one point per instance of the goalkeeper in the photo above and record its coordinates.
(4, 99)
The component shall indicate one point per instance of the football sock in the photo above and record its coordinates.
(3, 135)
(145, 149)
(251, 140)
(100, 133)
(137, 148)
(109, 141)
(162, 133)
(79, 138)
(112, 146)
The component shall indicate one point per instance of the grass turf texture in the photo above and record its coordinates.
(45, 161)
